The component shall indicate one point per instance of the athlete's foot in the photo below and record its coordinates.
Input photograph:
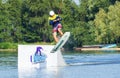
(62, 49)
(59, 37)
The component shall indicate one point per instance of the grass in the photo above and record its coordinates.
(8, 45)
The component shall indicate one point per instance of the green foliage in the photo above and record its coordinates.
(107, 24)
(91, 22)
(8, 45)
(10, 21)
(35, 21)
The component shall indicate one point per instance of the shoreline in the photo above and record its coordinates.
(76, 49)
(93, 49)
(8, 50)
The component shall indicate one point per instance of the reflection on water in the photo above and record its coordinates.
(8, 65)
(87, 64)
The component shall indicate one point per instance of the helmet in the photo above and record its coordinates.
(51, 13)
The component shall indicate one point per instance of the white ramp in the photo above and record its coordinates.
(27, 52)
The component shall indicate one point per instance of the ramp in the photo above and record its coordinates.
(26, 57)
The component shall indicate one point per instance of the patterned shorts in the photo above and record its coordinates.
(55, 29)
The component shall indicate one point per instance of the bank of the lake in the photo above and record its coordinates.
(7, 46)
(8, 50)
(92, 49)
(10, 47)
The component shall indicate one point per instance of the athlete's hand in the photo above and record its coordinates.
(54, 20)
(57, 20)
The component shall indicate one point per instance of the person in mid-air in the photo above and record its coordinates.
(54, 20)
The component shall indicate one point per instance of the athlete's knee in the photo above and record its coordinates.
(59, 29)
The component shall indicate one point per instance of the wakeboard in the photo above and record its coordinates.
(61, 42)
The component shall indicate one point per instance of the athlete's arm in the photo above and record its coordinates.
(51, 22)
(57, 19)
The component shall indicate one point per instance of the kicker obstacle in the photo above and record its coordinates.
(39, 56)
(42, 55)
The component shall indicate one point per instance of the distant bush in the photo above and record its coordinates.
(8, 45)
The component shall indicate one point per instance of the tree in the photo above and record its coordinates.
(92, 7)
(107, 24)
(10, 21)
(114, 24)
(100, 26)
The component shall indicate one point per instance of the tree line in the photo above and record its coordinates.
(90, 22)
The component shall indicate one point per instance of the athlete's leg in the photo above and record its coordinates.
(55, 37)
(55, 34)
(59, 29)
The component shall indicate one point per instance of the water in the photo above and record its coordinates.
(8, 65)
(87, 64)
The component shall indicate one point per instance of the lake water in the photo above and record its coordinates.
(86, 64)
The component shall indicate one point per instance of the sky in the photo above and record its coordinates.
(77, 1)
